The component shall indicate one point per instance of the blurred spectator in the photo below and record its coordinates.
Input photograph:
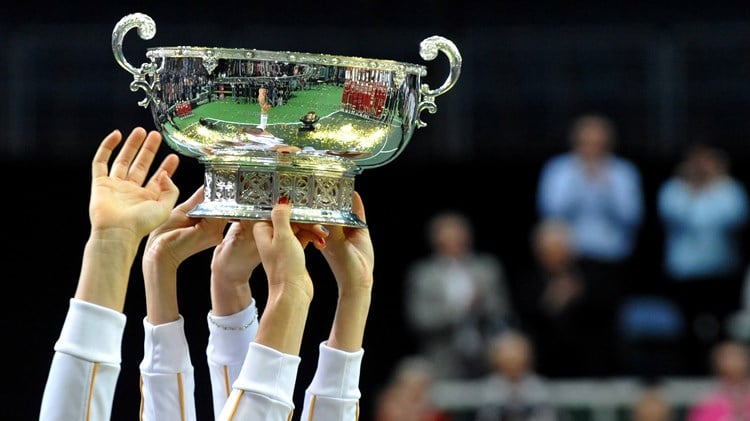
(455, 299)
(597, 192)
(599, 195)
(703, 210)
(730, 399)
(652, 406)
(565, 308)
(407, 397)
(518, 393)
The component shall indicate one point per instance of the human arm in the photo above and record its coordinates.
(725, 206)
(122, 211)
(167, 383)
(233, 319)
(672, 203)
(560, 188)
(265, 385)
(623, 192)
(334, 391)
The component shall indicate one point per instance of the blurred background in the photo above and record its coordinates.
(667, 75)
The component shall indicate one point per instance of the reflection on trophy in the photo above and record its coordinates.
(267, 124)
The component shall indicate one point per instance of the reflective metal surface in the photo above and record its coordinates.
(272, 123)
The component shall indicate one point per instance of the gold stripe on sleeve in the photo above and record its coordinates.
(227, 386)
(91, 391)
(312, 407)
(182, 396)
(140, 388)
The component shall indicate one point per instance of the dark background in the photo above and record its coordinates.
(665, 73)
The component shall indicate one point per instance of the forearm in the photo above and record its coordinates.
(228, 298)
(283, 321)
(160, 282)
(347, 332)
(105, 270)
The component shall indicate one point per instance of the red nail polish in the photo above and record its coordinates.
(283, 200)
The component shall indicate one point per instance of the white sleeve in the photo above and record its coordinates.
(334, 391)
(85, 366)
(228, 341)
(167, 383)
(264, 389)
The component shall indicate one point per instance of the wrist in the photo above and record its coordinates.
(125, 238)
(291, 289)
(362, 295)
(105, 271)
(289, 296)
(113, 245)
(161, 298)
(283, 322)
(229, 298)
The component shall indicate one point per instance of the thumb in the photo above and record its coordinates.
(281, 216)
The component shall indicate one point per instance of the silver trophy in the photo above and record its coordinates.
(267, 124)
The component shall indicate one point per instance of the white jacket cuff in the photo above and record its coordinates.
(165, 348)
(337, 375)
(230, 335)
(92, 332)
(270, 373)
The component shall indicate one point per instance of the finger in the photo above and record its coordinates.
(246, 226)
(307, 237)
(142, 164)
(215, 227)
(358, 207)
(129, 150)
(192, 201)
(318, 230)
(235, 229)
(263, 234)
(280, 217)
(170, 164)
(168, 191)
(100, 164)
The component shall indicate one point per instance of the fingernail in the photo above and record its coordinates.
(283, 200)
(324, 228)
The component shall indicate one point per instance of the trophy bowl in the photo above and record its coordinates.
(267, 124)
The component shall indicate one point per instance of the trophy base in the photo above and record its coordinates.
(305, 216)
(320, 190)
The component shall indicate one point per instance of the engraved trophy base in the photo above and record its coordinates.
(320, 188)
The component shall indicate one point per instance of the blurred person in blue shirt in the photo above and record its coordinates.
(598, 193)
(703, 210)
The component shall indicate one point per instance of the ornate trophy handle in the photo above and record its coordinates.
(146, 30)
(428, 49)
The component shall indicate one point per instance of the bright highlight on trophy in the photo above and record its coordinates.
(267, 124)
